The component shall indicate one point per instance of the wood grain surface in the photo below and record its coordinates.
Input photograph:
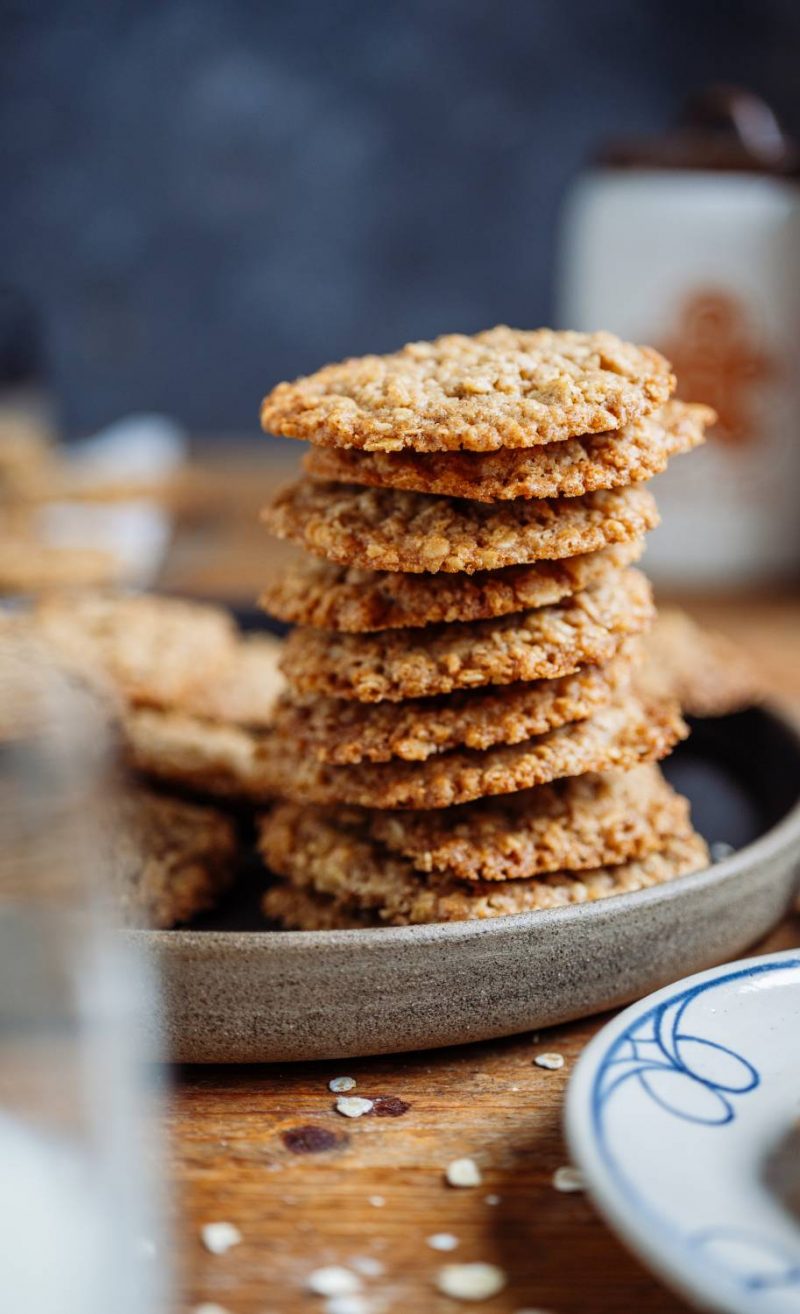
(263, 1147)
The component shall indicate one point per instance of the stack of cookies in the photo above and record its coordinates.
(189, 698)
(463, 735)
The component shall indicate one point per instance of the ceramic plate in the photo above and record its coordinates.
(235, 991)
(684, 1116)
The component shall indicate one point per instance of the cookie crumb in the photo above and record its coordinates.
(463, 1172)
(353, 1106)
(550, 1061)
(568, 1179)
(442, 1241)
(493, 1199)
(340, 1084)
(377, 1201)
(471, 1281)
(220, 1237)
(333, 1280)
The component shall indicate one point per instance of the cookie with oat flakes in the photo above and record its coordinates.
(356, 601)
(343, 733)
(584, 821)
(335, 876)
(386, 529)
(217, 759)
(168, 859)
(154, 650)
(620, 736)
(638, 451)
(500, 388)
(544, 643)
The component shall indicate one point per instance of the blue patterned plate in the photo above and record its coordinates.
(683, 1115)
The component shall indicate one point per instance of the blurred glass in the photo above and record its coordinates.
(79, 1216)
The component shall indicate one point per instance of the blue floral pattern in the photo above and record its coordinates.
(702, 1082)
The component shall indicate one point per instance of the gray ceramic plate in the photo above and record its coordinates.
(238, 995)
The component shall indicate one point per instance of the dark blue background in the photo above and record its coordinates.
(203, 196)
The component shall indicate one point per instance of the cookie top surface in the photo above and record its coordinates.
(341, 878)
(347, 598)
(345, 733)
(544, 643)
(501, 388)
(154, 649)
(638, 451)
(168, 859)
(385, 529)
(586, 821)
(618, 737)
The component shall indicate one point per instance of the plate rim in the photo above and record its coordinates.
(679, 1268)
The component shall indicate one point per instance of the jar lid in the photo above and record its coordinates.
(723, 128)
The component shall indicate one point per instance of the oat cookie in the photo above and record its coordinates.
(342, 871)
(501, 388)
(207, 757)
(615, 459)
(168, 859)
(385, 529)
(708, 673)
(155, 650)
(346, 598)
(545, 643)
(345, 733)
(619, 737)
(586, 821)
(245, 690)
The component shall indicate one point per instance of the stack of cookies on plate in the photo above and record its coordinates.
(463, 735)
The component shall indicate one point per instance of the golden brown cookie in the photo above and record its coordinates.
(168, 859)
(501, 388)
(706, 672)
(352, 600)
(207, 757)
(345, 733)
(545, 643)
(385, 529)
(586, 821)
(615, 459)
(339, 878)
(155, 650)
(245, 690)
(618, 737)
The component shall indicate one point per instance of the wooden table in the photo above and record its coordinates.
(263, 1148)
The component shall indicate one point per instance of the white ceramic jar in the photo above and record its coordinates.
(705, 264)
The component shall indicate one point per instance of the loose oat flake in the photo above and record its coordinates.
(353, 1106)
(340, 1084)
(550, 1061)
(463, 1172)
(442, 1241)
(493, 1199)
(471, 1281)
(568, 1179)
(377, 1201)
(368, 1266)
(220, 1237)
(333, 1280)
(354, 1304)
